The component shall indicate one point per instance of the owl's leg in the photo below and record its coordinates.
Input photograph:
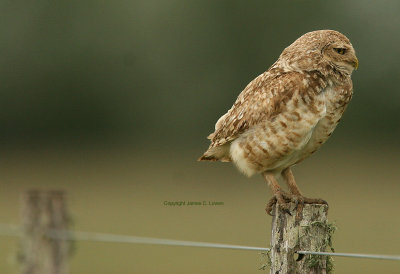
(296, 196)
(289, 178)
(280, 196)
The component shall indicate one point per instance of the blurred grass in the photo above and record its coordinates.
(122, 191)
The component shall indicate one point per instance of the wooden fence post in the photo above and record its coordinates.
(43, 212)
(312, 233)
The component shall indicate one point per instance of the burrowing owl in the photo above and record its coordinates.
(285, 114)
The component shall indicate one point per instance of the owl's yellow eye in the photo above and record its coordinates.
(340, 50)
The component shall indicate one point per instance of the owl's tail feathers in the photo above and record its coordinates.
(210, 158)
(219, 153)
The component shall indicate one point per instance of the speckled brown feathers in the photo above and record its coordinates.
(286, 113)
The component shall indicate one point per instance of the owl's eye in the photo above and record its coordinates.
(340, 50)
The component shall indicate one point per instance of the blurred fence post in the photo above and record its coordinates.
(312, 233)
(43, 212)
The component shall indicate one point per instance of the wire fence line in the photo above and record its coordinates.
(16, 231)
(353, 255)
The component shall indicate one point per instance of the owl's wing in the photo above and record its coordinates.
(262, 99)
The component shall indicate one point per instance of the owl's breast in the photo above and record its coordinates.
(289, 137)
(279, 141)
(335, 101)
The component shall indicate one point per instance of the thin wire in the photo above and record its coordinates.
(105, 237)
(14, 230)
(354, 255)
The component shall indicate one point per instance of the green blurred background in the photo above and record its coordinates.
(112, 101)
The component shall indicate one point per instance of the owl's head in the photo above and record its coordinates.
(324, 50)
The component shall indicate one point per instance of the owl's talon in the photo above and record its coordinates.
(270, 206)
(286, 209)
(284, 199)
(314, 201)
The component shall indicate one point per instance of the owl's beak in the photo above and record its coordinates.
(355, 63)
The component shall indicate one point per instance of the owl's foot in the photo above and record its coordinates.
(270, 205)
(299, 202)
(283, 200)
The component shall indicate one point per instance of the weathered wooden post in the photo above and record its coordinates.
(42, 213)
(312, 233)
